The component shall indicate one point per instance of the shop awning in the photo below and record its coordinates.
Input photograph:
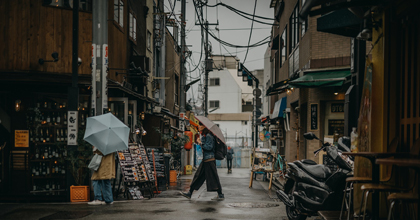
(277, 88)
(279, 107)
(321, 79)
(341, 22)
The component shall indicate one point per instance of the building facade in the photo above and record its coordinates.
(34, 94)
(300, 58)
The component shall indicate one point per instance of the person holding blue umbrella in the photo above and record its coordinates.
(108, 134)
(101, 180)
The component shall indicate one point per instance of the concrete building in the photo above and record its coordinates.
(230, 100)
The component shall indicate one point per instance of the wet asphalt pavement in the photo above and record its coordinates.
(240, 202)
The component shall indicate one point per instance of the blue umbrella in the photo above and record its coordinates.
(107, 133)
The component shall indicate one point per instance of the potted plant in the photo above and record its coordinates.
(77, 162)
(175, 141)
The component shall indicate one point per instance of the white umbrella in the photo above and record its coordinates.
(107, 133)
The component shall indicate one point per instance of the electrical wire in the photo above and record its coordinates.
(242, 14)
(250, 33)
(257, 44)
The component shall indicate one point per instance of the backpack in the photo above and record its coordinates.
(220, 150)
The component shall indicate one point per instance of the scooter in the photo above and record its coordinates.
(312, 187)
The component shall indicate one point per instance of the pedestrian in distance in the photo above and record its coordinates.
(101, 180)
(229, 158)
(207, 170)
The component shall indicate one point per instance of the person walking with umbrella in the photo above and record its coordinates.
(107, 134)
(101, 179)
(207, 170)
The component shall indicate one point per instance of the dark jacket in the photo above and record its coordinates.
(229, 154)
(207, 143)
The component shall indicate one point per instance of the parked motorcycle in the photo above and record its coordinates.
(311, 187)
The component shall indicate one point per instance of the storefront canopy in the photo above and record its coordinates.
(321, 79)
(277, 88)
(279, 107)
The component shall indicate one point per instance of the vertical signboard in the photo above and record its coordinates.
(21, 138)
(314, 116)
(93, 97)
(72, 127)
(104, 80)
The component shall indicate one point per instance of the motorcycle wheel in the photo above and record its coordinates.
(293, 214)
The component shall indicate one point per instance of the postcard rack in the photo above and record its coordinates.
(136, 172)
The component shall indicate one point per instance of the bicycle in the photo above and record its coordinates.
(280, 165)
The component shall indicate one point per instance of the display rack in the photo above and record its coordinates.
(159, 165)
(135, 171)
(47, 125)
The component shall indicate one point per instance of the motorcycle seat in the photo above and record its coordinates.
(318, 171)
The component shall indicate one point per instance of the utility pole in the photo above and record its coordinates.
(99, 57)
(208, 62)
(183, 56)
(208, 69)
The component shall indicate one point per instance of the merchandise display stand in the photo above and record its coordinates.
(136, 172)
(261, 162)
(158, 167)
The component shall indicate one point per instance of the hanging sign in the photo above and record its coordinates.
(72, 121)
(93, 88)
(314, 116)
(104, 75)
(21, 138)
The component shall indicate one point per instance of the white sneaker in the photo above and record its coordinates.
(96, 202)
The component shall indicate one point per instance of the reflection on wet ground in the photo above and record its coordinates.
(252, 205)
(209, 209)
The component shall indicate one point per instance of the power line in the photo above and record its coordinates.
(232, 29)
(250, 33)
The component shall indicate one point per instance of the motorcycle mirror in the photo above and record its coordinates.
(310, 136)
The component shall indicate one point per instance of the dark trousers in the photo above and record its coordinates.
(207, 171)
(229, 163)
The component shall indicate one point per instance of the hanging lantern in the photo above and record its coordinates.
(188, 145)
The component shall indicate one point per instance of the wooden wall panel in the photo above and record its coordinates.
(4, 35)
(33, 41)
(32, 31)
(12, 32)
(25, 34)
(85, 42)
(117, 42)
(57, 40)
(41, 52)
(49, 39)
(66, 39)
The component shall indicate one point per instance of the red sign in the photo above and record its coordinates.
(106, 52)
(92, 51)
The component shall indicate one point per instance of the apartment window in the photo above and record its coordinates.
(215, 82)
(294, 29)
(149, 40)
(244, 122)
(176, 88)
(133, 26)
(214, 104)
(283, 47)
(119, 12)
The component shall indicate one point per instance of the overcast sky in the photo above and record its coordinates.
(232, 28)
